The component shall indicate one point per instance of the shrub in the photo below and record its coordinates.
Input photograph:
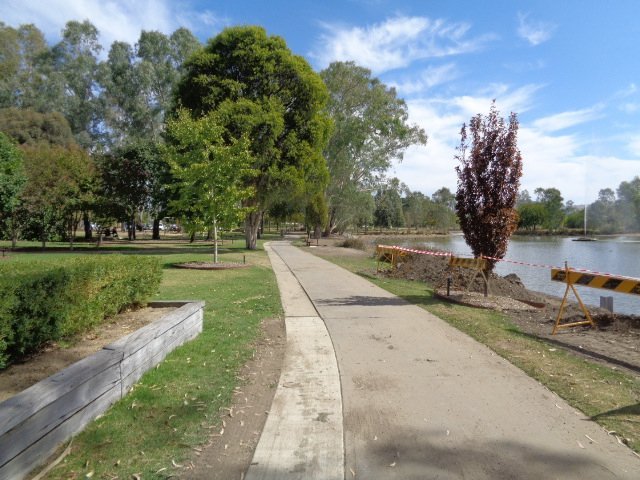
(353, 242)
(45, 301)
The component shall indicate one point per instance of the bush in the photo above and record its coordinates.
(353, 242)
(46, 301)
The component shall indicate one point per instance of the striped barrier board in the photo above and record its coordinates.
(479, 265)
(607, 282)
(473, 263)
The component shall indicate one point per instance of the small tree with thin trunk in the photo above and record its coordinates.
(488, 181)
(210, 175)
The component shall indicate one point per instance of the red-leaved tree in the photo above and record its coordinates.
(488, 182)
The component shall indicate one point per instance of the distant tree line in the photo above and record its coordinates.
(88, 131)
(612, 212)
(94, 140)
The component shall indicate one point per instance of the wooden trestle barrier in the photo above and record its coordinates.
(593, 280)
(388, 254)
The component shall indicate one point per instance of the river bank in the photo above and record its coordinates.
(616, 340)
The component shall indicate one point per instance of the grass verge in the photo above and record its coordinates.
(176, 406)
(609, 397)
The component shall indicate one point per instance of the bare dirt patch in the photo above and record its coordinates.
(210, 265)
(54, 357)
(230, 449)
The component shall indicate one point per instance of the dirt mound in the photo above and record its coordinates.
(434, 270)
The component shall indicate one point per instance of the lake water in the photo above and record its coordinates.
(614, 255)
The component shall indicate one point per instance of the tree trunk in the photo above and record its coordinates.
(215, 241)
(251, 225)
(131, 228)
(43, 234)
(88, 233)
(71, 233)
(155, 235)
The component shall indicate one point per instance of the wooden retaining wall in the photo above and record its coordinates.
(37, 420)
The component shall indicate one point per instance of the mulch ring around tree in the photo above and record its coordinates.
(210, 265)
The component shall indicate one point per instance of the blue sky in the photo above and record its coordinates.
(570, 69)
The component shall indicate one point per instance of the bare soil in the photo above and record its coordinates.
(229, 451)
(54, 357)
(615, 341)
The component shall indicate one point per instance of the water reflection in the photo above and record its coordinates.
(614, 255)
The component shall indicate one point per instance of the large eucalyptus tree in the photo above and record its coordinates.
(371, 131)
(261, 90)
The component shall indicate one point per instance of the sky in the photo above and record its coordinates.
(569, 69)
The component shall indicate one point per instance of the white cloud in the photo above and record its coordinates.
(563, 161)
(563, 120)
(508, 100)
(428, 168)
(395, 43)
(630, 107)
(115, 19)
(428, 78)
(534, 32)
(634, 146)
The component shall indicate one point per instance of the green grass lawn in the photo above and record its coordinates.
(173, 407)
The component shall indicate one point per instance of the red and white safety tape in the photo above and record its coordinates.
(536, 265)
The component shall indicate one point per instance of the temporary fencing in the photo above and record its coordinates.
(570, 276)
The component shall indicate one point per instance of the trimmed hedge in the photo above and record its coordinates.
(45, 301)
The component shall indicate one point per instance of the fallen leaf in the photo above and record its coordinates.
(173, 462)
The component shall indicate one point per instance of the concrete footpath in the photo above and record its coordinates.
(419, 399)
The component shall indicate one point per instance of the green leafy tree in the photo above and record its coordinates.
(57, 190)
(138, 90)
(531, 215)
(210, 174)
(371, 131)
(261, 91)
(488, 181)
(29, 127)
(629, 204)
(523, 198)
(12, 180)
(122, 93)
(128, 175)
(602, 215)
(388, 213)
(553, 203)
(414, 206)
(22, 81)
(138, 83)
(73, 78)
(316, 214)
(444, 197)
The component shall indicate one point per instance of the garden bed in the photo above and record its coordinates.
(34, 422)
